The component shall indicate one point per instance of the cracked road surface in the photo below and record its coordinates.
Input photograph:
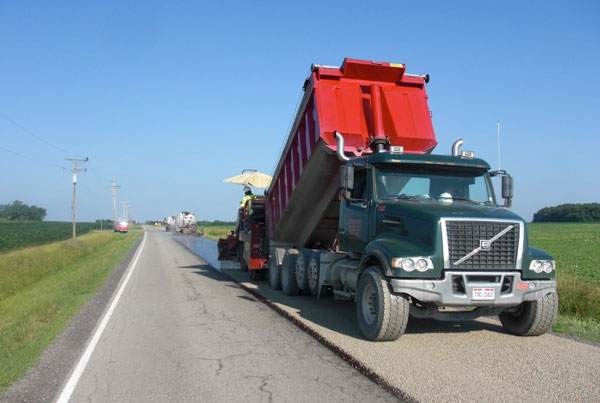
(474, 361)
(182, 332)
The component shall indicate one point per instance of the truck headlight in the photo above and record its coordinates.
(409, 264)
(422, 265)
(538, 266)
(548, 266)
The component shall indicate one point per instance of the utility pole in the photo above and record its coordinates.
(124, 210)
(75, 170)
(114, 192)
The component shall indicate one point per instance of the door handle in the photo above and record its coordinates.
(391, 222)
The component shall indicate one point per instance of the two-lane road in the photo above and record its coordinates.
(182, 332)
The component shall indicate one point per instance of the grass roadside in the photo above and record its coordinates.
(576, 248)
(42, 287)
(215, 232)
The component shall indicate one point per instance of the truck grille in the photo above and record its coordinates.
(463, 237)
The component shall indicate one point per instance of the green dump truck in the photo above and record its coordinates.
(360, 207)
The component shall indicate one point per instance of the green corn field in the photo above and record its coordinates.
(19, 234)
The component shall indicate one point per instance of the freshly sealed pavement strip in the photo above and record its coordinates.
(447, 361)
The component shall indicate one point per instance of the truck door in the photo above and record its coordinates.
(355, 221)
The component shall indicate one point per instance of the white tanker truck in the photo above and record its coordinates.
(185, 222)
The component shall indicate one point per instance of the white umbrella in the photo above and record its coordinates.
(253, 178)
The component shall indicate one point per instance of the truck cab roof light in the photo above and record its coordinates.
(467, 154)
(396, 150)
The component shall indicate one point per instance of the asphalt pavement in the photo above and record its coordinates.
(183, 332)
(437, 361)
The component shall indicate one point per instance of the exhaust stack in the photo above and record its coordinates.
(456, 147)
(340, 147)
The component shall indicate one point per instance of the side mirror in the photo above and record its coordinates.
(346, 183)
(507, 189)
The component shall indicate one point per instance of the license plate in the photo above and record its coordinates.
(483, 293)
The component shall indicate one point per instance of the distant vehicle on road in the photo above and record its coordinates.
(169, 222)
(121, 227)
(185, 223)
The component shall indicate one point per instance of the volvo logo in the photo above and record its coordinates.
(485, 244)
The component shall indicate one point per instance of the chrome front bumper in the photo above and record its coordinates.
(444, 292)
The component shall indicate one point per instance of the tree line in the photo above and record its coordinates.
(585, 212)
(216, 223)
(19, 211)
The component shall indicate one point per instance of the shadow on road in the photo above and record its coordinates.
(337, 316)
(207, 271)
(425, 326)
(340, 316)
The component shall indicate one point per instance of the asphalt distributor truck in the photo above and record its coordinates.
(361, 208)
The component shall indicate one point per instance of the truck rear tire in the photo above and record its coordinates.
(275, 277)
(382, 315)
(532, 318)
(313, 274)
(275, 260)
(288, 273)
(302, 269)
(243, 265)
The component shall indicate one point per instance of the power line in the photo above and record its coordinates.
(29, 158)
(93, 171)
(93, 192)
(34, 135)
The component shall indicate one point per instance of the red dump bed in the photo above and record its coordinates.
(361, 100)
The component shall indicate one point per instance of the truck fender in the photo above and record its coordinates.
(378, 258)
(385, 247)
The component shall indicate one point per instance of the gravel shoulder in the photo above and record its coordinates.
(452, 361)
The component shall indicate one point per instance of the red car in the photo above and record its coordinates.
(121, 227)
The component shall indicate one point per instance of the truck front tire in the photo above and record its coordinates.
(288, 273)
(382, 315)
(531, 318)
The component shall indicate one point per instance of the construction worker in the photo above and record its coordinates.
(248, 196)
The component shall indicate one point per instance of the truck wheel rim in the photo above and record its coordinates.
(301, 268)
(312, 274)
(369, 304)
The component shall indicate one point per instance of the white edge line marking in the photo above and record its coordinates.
(85, 358)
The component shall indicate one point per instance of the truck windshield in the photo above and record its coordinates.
(440, 184)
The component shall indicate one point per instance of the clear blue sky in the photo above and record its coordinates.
(169, 98)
